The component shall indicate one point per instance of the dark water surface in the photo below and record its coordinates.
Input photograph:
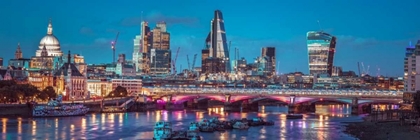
(326, 123)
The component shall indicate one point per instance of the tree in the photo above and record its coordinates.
(48, 92)
(7, 83)
(119, 91)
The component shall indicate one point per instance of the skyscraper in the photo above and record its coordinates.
(142, 45)
(216, 43)
(411, 73)
(321, 49)
(160, 37)
(269, 53)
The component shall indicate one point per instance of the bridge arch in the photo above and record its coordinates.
(185, 98)
(256, 98)
(372, 101)
(311, 100)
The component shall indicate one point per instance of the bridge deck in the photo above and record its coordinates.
(278, 92)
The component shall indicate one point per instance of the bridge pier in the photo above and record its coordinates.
(355, 106)
(299, 108)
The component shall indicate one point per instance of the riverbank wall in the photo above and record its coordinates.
(15, 110)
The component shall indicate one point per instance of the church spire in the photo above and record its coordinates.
(44, 51)
(18, 53)
(50, 28)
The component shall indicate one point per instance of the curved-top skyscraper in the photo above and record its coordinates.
(321, 49)
(217, 44)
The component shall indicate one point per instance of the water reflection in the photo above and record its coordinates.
(324, 124)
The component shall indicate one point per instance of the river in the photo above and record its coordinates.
(326, 123)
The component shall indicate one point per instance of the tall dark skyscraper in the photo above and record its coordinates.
(216, 43)
(321, 49)
(269, 53)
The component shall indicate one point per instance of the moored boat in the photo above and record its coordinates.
(162, 131)
(240, 125)
(193, 126)
(193, 135)
(55, 108)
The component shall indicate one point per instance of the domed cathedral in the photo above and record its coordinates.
(50, 42)
(70, 82)
(49, 54)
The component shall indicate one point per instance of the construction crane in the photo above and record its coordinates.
(188, 61)
(174, 62)
(193, 64)
(113, 44)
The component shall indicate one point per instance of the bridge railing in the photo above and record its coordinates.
(296, 92)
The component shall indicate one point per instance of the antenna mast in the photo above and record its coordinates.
(141, 17)
(319, 24)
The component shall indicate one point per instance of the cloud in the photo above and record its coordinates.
(155, 17)
(86, 31)
(348, 40)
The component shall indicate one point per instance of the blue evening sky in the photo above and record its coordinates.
(369, 31)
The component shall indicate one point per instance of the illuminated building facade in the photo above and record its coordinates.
(70, 82)
(99, 87)
(133, 86)
(411, 72)
(321, 49)
(142, 45)
(161, 38)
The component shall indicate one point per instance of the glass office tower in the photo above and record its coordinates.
(321, 49)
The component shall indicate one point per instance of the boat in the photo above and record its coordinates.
(162, 131)
(163, 124)
(240, 125)
(194, 127)
(214, 120)
(256, 122)
(193, 135)
(55, 108)
(179, 135)
(294, 116)
(206, 129)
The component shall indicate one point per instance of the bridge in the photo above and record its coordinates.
(178, 95)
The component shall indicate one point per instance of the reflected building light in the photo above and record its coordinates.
(19, 126)
(4, 126)
(102, 119)
(94, 118)
(243, 115)
(304, 124)
(158, 115)
(112, 117)
(179, 115)
(120, 119)
(165, 116)
(33, 128)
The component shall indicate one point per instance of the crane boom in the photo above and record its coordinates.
(193, 63)
(113, 44)
(174, 61)
(188, 61)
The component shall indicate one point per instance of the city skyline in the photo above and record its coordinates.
(360, 38)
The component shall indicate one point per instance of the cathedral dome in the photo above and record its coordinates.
(50, 42)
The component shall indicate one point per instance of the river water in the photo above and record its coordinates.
(326, 123)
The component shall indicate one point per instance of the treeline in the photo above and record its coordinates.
(10, 91)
